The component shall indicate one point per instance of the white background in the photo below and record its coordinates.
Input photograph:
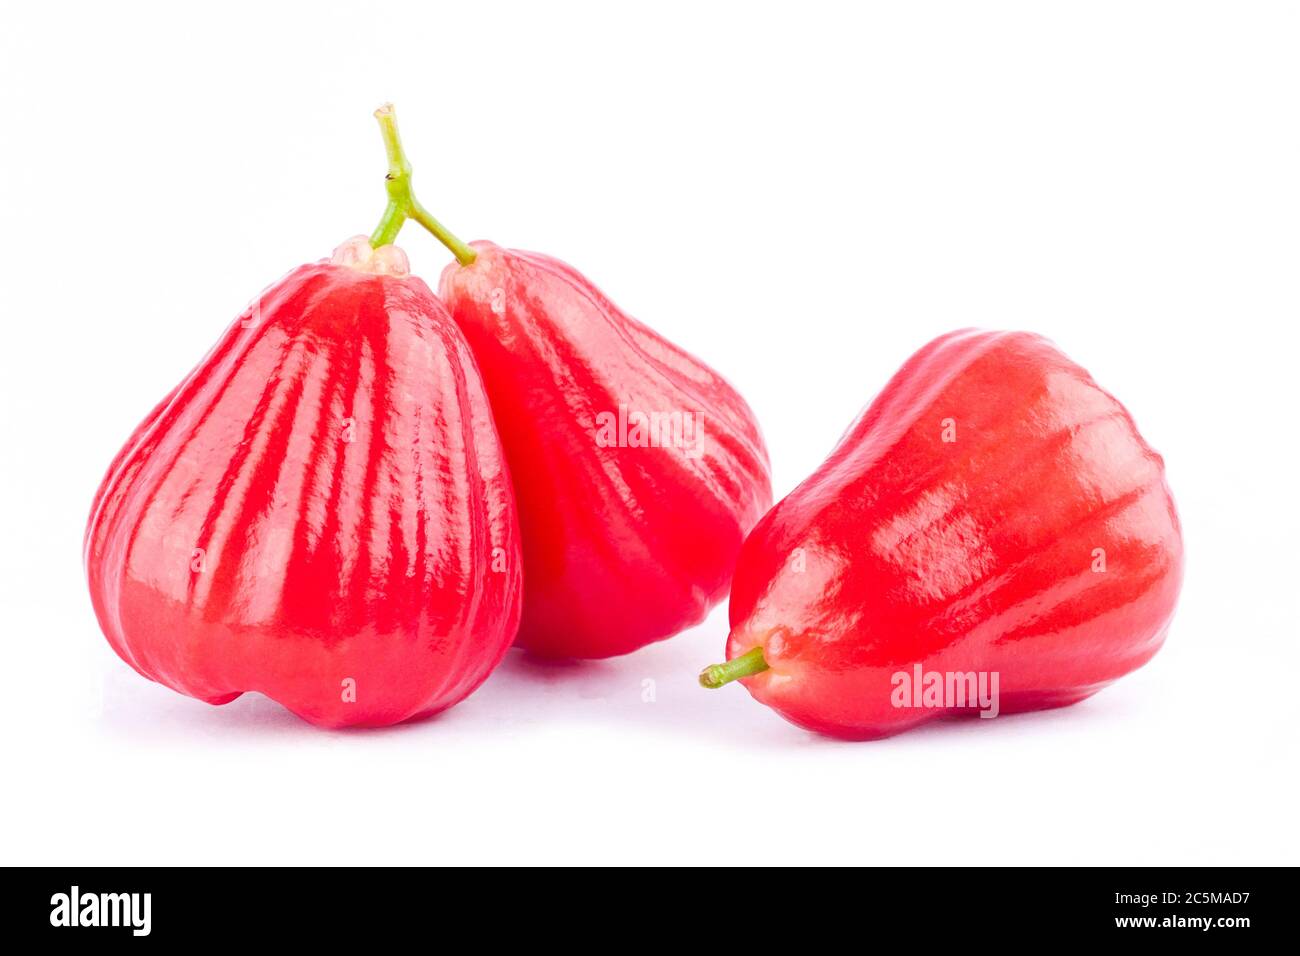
(802, 194)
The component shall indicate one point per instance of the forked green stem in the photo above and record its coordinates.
(746, 665)
(402, 204)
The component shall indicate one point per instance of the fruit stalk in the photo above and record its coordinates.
(402, 204)
(746, 665)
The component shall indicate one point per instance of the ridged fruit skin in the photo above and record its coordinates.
(975, 554)
(622, 545)
(334, 459)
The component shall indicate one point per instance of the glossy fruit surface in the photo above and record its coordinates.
(320, 511)
(638, 469)
(994, 511)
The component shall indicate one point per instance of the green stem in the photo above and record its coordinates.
(746, 665)
(402, 203)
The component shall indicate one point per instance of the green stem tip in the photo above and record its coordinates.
(746, 665)
(402, 204)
